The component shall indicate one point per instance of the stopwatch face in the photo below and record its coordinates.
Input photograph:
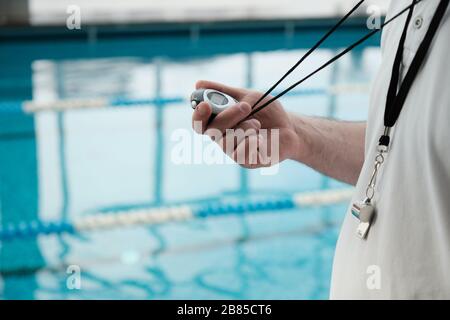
(217, 98)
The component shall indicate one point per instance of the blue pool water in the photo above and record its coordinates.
(65, 165)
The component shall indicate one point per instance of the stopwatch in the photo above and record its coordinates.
(218, 101)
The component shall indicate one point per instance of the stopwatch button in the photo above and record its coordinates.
(194, 104)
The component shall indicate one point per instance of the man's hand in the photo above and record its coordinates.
(253, 149)
(335, 148)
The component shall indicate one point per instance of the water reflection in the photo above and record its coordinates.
(86, 161)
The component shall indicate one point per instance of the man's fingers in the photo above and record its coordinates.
(236, 93)
(233, 137)
(230, 117)
(245, 129)
(200, 117)
(247, 152)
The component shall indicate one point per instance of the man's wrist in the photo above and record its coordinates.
(303, 148)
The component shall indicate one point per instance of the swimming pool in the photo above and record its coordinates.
(66, 165)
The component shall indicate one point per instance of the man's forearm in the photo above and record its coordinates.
(335, 148)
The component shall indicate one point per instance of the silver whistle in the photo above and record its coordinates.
(364, 211)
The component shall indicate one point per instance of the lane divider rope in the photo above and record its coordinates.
(154, 216)
(95, 103)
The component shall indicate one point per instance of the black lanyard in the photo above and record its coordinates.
(265, 104)
(396, 99)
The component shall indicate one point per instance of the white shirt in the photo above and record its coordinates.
(407, 252)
